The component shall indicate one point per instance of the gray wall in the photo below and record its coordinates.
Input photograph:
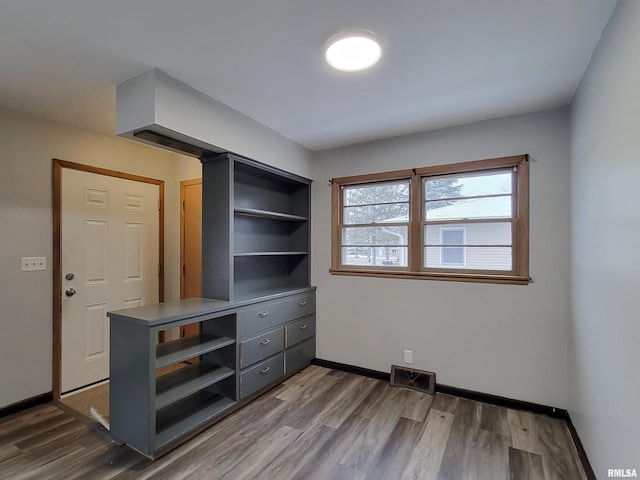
(501, 339)
(605, 241)
(27, 146)
(158, 101)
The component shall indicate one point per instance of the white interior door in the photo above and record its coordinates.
(110, 251)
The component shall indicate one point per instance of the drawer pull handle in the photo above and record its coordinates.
(302, 327)
(263, 314)
(302, 303)
(265, 371)
(265, 342)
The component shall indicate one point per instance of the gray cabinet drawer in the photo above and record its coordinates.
(269, 314)
(299, 330)
(261, 375)
(263, 346)
(300, 356)
(300, 306)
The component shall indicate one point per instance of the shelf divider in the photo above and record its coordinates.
(254, 212)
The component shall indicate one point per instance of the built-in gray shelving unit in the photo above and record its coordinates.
(159, 394)
(256, 322)
(255, 229)
(156, 394)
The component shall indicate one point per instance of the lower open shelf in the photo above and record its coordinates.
(185, 348)
(181, 417)
(181, 383)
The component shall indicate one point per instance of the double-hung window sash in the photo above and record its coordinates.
(375, 225)
(468, 221)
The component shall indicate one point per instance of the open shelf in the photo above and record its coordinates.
(256, 220)
(255, 235)
(185, 348)
(183, 416)
(182, 383)
(254, 212)
(267, 272)
(260, 191)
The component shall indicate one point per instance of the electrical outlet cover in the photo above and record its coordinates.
(408, 356)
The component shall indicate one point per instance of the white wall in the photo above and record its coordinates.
(605, 241)
(501, 339)
(27, 146)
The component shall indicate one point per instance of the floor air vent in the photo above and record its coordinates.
(415, 379)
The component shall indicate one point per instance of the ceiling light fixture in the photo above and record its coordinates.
(353, 51)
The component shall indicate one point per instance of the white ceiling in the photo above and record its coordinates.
(445, 62)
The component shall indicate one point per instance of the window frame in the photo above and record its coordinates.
(415, 270)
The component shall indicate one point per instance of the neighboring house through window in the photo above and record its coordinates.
(466, 221)
(452, 252)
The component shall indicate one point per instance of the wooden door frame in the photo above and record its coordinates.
(183, 184)
(58, 165)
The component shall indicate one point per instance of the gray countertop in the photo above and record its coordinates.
(167, 312)
(160, 313)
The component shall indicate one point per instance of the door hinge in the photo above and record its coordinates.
(184, 270)
(159, 270)
(158, 205)
(184, 206)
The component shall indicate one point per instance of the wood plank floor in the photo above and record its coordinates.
(319, 424)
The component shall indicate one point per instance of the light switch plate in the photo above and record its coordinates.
(32, 264)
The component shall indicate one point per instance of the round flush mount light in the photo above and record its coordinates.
(353, 51)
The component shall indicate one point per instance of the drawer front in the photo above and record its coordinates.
(270, 314)
(299, 306)
(299, 330)
(300, 356)
(261, 375)
(263, 346)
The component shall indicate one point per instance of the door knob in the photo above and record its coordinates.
(69, 276)
(69, 292)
